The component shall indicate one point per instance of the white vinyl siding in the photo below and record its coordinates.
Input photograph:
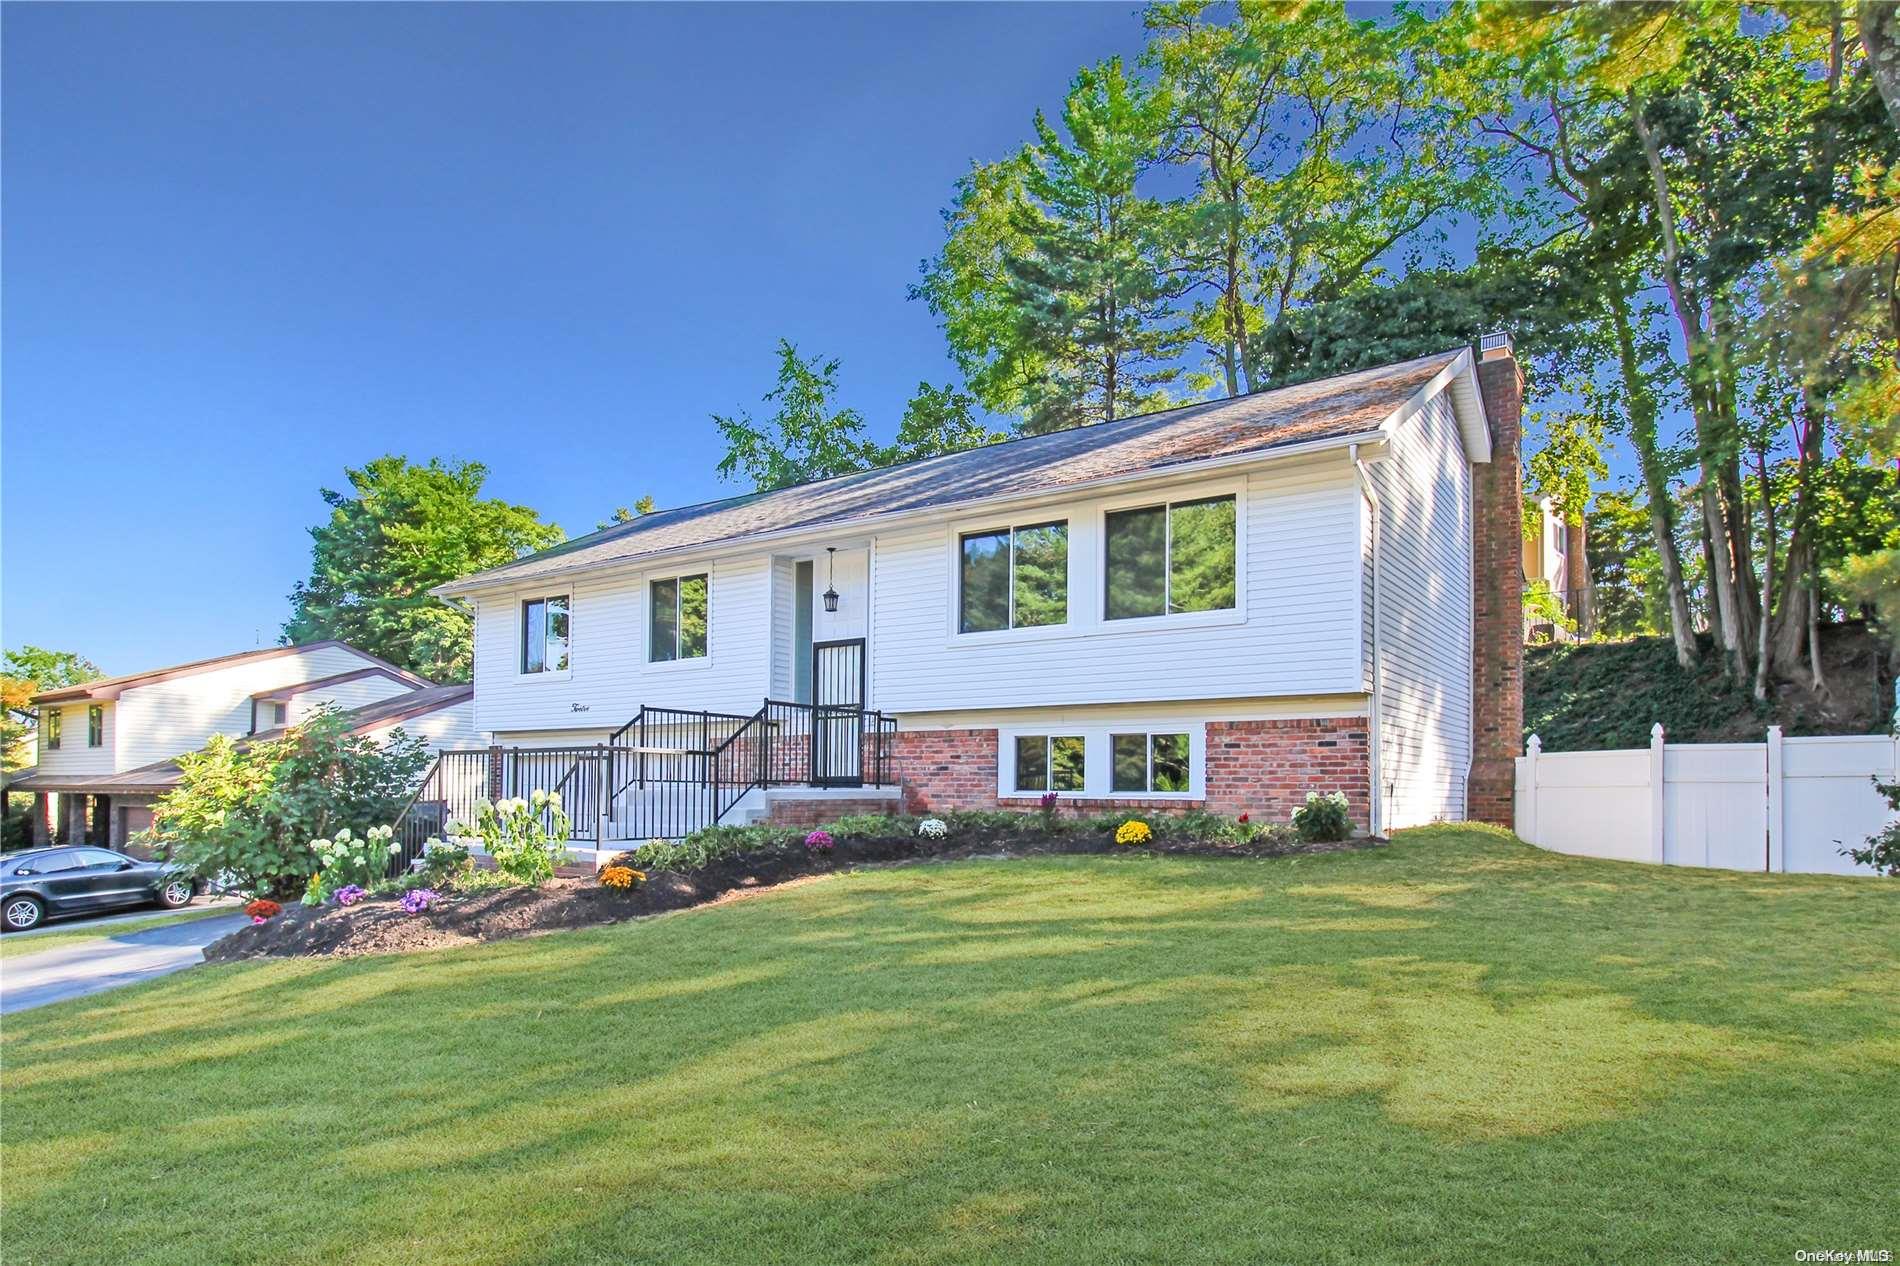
(345, 695)
(72, 756)
(1424, 487)
(445, 729)
(609, 676)
(160, 720)
(1296, 630)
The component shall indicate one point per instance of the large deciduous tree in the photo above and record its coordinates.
(400, 530)
(32, 670)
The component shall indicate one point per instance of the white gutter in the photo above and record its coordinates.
(744, 542)
(1371, 495)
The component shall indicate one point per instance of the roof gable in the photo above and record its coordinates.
(113, 687)
(1253, 427)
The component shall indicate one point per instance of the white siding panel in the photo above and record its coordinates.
(160, 720)
(1296, 632)
(784, 595)
(72, 756)
(1424, 487)
(609, 677)
(348, 694)
(445, 729)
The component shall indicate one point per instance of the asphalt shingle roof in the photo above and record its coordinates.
(1327, 408)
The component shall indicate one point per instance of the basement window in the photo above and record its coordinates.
(1050, 762)
(1143, 763)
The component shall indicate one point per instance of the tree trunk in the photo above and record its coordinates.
(1762, 657)
(1703, 398)
(1880, 36)
(1792, 616)
(1662, 509)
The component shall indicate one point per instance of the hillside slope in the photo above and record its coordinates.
(1590, 696)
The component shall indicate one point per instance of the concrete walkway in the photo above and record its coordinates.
(33, 980)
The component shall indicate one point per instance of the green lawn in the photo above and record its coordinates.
(15, 945)
(1453, 1049)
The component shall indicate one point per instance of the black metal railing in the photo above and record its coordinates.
(663, 775)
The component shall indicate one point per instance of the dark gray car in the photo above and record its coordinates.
(44, 883)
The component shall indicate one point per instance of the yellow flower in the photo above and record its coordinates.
(1133, 831)
(621, 877)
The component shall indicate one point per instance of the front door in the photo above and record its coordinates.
(837, 714)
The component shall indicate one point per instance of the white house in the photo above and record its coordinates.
(107, 748)
(1221, 605)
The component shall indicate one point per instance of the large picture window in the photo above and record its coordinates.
(544, 635)
(678, 623)
(1171, 559)
(1050, 762)
(1014, 578)
(1148, 762)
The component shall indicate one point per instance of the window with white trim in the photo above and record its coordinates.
(1170, 559)
(1013, 578)
(1149, 762)
(544, 635)
(1050, 762)
(678, 618)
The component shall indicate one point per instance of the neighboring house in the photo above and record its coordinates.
(1554, 557)
(107, 748)
(1222, 605)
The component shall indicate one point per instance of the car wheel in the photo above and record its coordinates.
(22, 913)
(175, 893)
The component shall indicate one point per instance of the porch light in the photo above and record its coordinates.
(831, 578)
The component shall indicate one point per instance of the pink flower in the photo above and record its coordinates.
(257, 919)
(819, 841)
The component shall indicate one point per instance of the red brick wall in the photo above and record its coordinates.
(1497, 648)
(817, 812)
(1264, 768)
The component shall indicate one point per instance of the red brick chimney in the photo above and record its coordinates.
(1497, 632)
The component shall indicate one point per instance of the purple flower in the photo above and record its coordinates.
(349, 894)
(416, 900)
(1048, 802)
(819, 841)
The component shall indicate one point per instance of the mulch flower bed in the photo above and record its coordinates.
(379, 925)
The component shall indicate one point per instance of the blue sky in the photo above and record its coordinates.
(248, 245)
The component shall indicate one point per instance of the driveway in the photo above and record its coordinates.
(108, 962)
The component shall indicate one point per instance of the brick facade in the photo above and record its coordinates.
(1497, 646)
(817, 811)
(1263, 768)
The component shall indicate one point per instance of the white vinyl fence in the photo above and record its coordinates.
(1789, 804)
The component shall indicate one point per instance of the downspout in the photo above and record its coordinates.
(1371, 495)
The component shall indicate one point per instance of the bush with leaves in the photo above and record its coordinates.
(249, 812)
(1323, 818)
(527, 838)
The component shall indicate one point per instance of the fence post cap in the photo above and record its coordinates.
(1535, 745)
(1774, 733)
(1656, 732)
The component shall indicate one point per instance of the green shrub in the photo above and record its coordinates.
(870, 826)
(1323, 818)
(252, 811)
(527, 838)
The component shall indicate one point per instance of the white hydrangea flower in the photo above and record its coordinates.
(933, 828)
